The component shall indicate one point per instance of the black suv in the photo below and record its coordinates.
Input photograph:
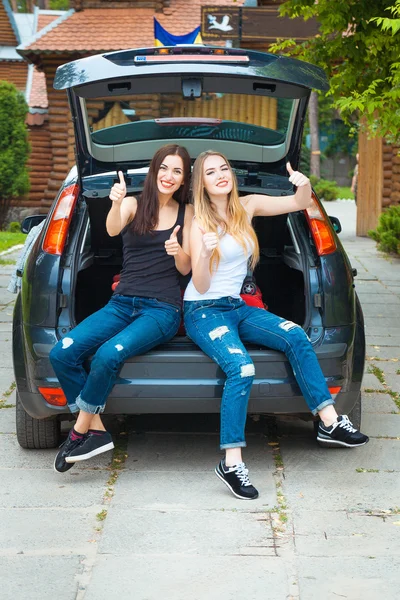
(248, 105)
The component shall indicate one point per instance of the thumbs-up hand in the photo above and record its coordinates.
(210, 242)
(295, 177)
(118, 190)
(172, 245)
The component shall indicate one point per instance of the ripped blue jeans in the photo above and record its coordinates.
(126, 326)
(219, 328)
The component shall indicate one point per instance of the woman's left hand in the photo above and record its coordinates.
(172, 245)
(295, 177)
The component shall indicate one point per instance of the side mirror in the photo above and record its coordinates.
(31, 221)
(336, 224)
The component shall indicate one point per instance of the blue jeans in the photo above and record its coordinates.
(219, 328)
(126, 326)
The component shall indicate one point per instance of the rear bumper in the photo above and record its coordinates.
(36, 406)
(172, 380)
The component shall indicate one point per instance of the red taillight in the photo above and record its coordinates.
(57, 230)
(320, 229)
(54, 396)
(335, 389)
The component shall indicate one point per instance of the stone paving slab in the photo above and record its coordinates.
(7, 422)
(381, 425)
(376, 299)
(24, 488)
(195, 577)
(6, 379)
(44, 531)
(220, 533)
(353, 579)
(378, 403)
(371, 287)
(371, 382)
(349, 490)
(330, 534)
(197, 490)
(389, 367)
(39, 577)
(385, 353)
(383, 340)
(304, 454)
(381, 311)
(393, 381)
(189, 452)
(6, 356)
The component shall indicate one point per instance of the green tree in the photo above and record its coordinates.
(359, 47)
(59, 4)
(14, 147)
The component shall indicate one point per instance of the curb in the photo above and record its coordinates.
(10, 250)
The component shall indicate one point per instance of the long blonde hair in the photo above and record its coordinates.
(238, 225)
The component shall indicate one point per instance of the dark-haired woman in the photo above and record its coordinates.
(145, 309)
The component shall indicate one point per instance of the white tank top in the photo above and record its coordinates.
(228, 279)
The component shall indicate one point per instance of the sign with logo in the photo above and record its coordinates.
(247, 24)
(220, 23)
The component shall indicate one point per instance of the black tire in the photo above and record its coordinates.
(36, 433)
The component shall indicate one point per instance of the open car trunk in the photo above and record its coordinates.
(279, 273)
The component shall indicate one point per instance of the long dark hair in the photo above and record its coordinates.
(146, 217)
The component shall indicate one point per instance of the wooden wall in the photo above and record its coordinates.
(60, 131)
(391, 174)
(15, 72)
(39, 163)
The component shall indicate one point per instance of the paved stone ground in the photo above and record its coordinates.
(154, 522)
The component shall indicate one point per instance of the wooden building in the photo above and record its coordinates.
(16, 28)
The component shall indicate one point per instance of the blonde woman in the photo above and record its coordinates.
(222, 241)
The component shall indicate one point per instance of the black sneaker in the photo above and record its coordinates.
(341, 433)
(60, 464)
(95, 443)
(237, 480)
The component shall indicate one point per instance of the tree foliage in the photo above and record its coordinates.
(358, 46)
(14, 146)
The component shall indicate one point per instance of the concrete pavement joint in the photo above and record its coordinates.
(280, 523)
(6, 394)
(117, 464)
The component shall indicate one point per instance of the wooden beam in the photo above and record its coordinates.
(370, 183)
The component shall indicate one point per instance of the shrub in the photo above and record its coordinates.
(325, 190)
(387, 234)
(14, 227)
(14, 146)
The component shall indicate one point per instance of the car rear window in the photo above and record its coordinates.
(254, 119)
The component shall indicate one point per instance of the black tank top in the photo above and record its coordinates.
(147, 269)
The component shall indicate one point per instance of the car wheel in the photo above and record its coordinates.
(36, 433)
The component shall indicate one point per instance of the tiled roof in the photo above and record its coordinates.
(8, 28)
(46, 19)
(84, 31)
(38, 96)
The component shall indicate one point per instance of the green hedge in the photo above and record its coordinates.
(325, 190)
(387, 234)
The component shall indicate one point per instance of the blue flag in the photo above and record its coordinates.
(163, 38)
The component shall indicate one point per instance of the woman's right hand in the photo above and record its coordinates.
(209, 243)
(118, 190)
